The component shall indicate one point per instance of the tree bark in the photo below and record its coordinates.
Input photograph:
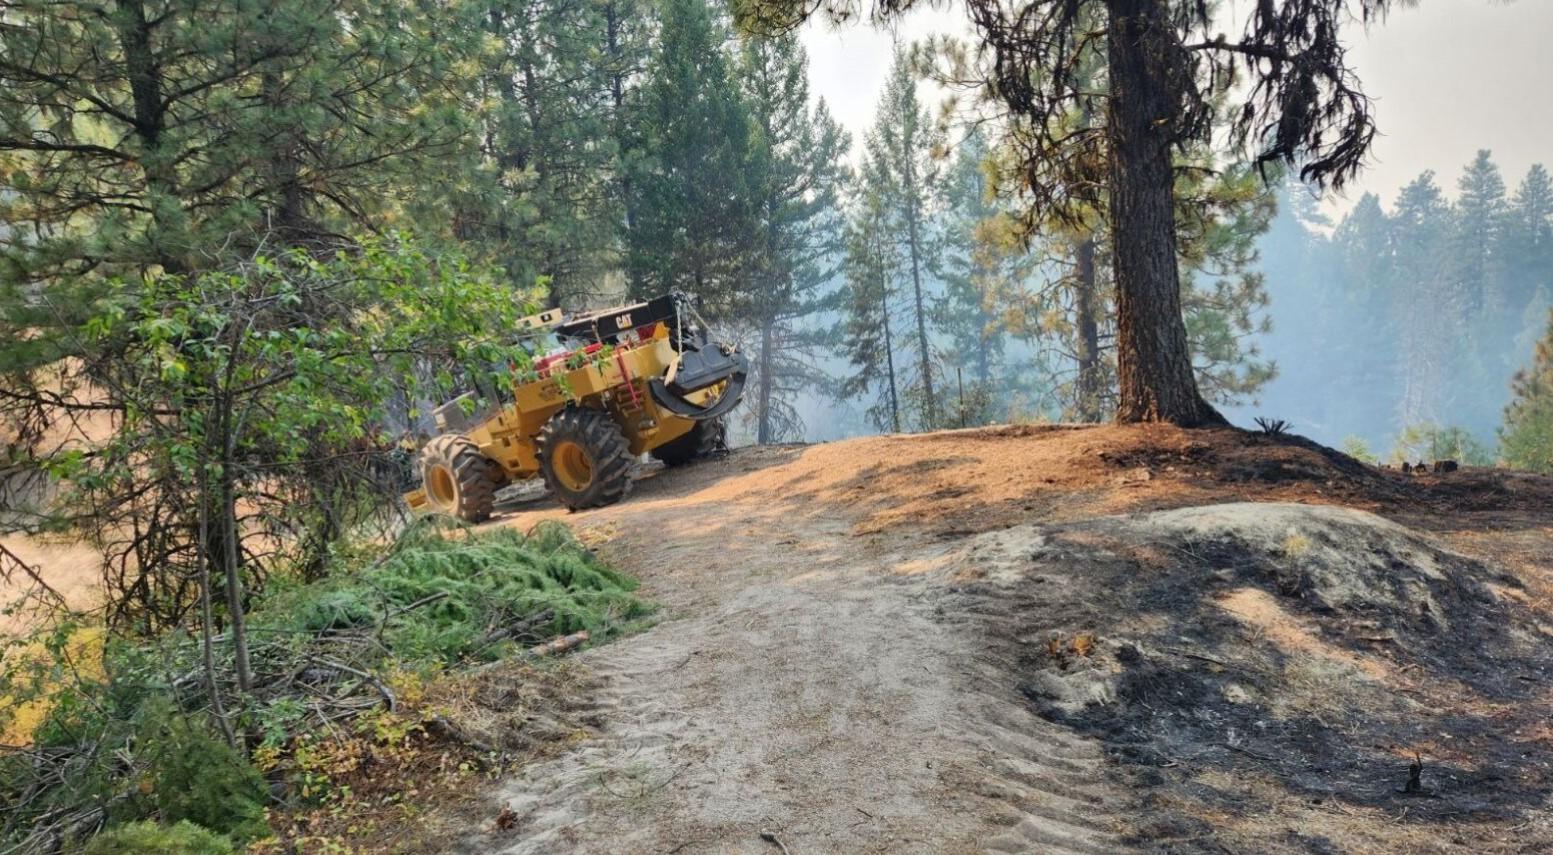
(1153, 359)
(889, 358)
(930, 403)
(144, 73)
(1086, 312)
(763, 429)
(207, 613)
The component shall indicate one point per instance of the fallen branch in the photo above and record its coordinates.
(558, 645)
(770, 837)
(440, 726)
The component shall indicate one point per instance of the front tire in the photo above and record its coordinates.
(459, 480)
(584, 458)
(702, 440)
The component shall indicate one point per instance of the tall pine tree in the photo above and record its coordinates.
(692, 215)
(795, 176)
(873, 264)
(902, 144)
(972, 269)
(1526, 439)
(1428, 319)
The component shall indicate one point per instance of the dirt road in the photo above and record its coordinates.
(947, 643)
(800, 686)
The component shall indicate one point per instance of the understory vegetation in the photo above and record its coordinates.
(352, 669)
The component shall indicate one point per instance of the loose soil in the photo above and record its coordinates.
(1061, 639)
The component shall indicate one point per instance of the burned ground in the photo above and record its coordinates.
(1240, 659)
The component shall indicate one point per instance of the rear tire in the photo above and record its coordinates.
(459, 480)
(703, 439)
(584, 458)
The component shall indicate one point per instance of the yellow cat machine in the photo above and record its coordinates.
(636, 379)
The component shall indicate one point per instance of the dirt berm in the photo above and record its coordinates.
(1062, 640)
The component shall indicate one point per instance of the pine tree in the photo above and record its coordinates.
(1221, 212)
(1526, 439)
(903, 142)
(1298, 103)
(873, 264)
(795, 175)
(177, 136)
(1356, 370)
(1477, 237)
(970, 267)
(541, 191)
(171, 131)
(1529, 254)
(1427, 318)
(691, 210)
(1483, 355)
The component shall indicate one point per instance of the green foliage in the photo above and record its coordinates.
(135, 731)
(690, 207)
(1359, 450)
(795, 175)
(1526, 439)
(890, 253)
(446, 596)
(121, 744)
(265, 386)
(871, 265)
(905, 145)
(150, 838)
(1428, 443)
(1420, 311)
(179, 135)
(190, 774)
(975, 270)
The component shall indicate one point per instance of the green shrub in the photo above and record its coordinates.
(192, 774)
(149, 838)
(439, 596)
(334, 610)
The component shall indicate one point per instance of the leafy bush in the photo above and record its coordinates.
(149, 838)
(107, 764)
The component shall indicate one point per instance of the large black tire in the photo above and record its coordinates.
(702, 440)
(584, 458)
(459, 480)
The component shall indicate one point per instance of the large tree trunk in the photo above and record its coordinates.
(1153, 360)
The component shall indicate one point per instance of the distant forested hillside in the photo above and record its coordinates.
(1406, 320)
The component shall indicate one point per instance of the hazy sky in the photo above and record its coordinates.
(1449, 77)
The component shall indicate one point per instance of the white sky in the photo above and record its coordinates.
(1448, 77)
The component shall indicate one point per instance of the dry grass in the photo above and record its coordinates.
(402, 782)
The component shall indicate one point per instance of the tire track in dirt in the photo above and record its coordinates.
(806, 681)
